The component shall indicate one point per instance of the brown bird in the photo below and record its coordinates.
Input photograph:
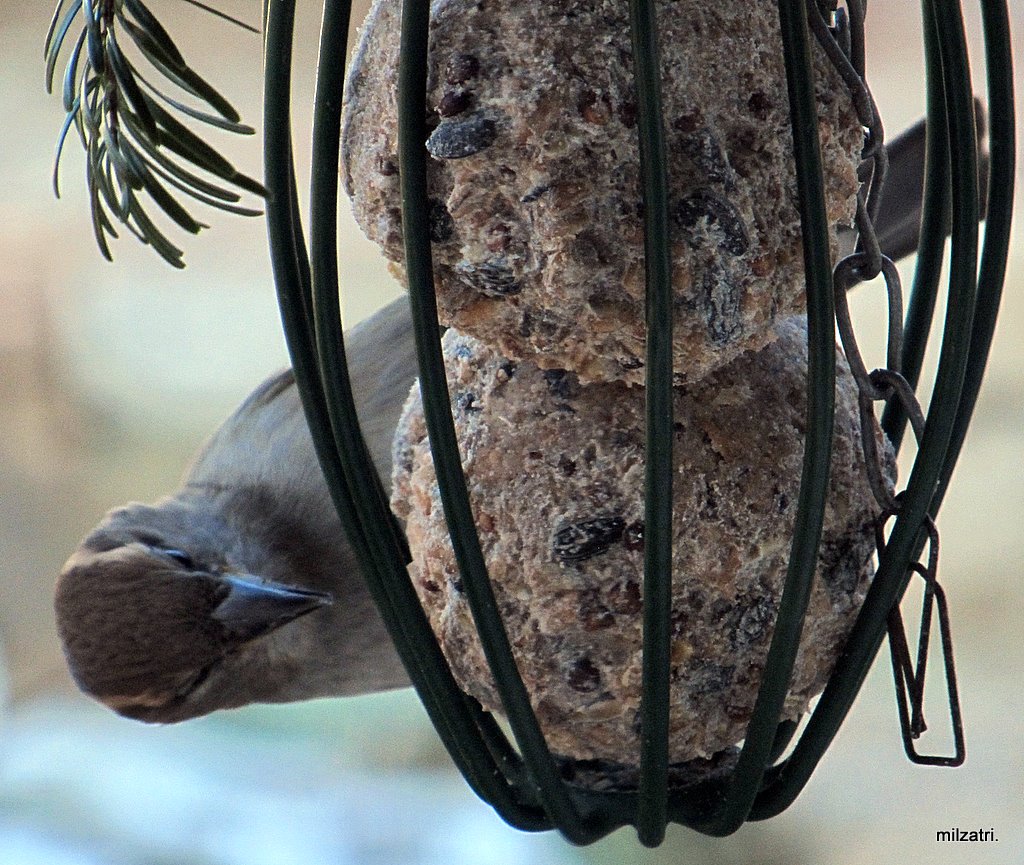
(241, 587)
(171, 610)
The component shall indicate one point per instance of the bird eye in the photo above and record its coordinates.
(182, 558)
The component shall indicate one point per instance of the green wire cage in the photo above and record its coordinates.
(525, 784)
(521, 779)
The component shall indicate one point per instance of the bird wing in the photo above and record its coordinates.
(270, 425)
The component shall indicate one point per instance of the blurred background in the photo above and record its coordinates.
(112, 374)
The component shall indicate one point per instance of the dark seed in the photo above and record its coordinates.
(841, 563)
(493, 277)
(688, 123)
(630, 363)
(581, 541)
(547, 326)
(620, 438)
(453, 102)
(759, 105)
(499, 237)
(508, 368)
(636, 725)
(709, 508)
(756, 619)
(387, 167)
(460, 68)
(456, 139)
(535, 193)
(561, 383)
(738, 713)
(720, 215)
(627, 114)
(566, 466)
(707, 155)
(721, 298)
(543, 323)
(594, 615)
(584, 676)
(632, 602)
(681, 622)
(633, 537)
(748, 157)
(466, 402)
(442, 226)
(592, 109)
(711, 678)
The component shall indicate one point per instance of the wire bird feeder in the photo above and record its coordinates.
(526, 787)
(524, 782)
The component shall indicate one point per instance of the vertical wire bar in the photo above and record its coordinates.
(286, 247)
(291, 267)
(284, 225)
(657, 592)
(552, 792)
(742, 787)
(991, 276)
(936, 210)
(291, 272)
(992, 272)
(362, 478)
(382, 567)
(893, 574)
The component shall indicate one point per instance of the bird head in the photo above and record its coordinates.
(161, 621)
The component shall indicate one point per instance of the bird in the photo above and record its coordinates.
(241, 586)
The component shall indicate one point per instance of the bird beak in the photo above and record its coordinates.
(254, 607)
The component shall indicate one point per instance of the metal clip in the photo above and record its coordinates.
(910, 679)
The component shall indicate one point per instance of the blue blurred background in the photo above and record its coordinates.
(112, 375)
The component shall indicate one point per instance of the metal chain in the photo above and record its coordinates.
(840, 33)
